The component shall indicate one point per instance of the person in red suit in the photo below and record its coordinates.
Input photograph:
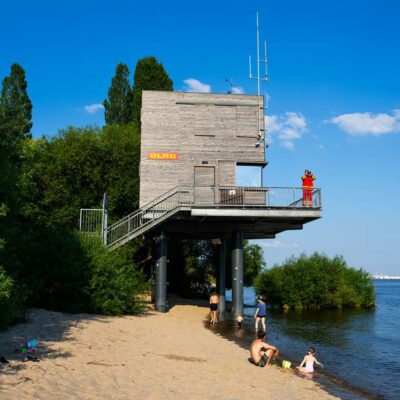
(308, 183)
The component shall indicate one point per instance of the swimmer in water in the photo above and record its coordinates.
(309, 360)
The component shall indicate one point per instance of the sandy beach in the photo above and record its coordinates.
(153, 356)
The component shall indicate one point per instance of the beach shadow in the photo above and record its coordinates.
(48, 328)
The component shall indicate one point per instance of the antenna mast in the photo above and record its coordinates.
(259, 79)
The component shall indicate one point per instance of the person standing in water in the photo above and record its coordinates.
(309, 360)
(214, 299)
(261, 314)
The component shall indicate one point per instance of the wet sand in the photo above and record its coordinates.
(153, 356)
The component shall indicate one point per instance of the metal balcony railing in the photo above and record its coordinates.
(254, 197)
(178, 198)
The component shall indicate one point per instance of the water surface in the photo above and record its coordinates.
(359, 348)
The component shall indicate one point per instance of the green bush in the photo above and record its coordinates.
(62, 270)
(11, 301)
(316, 282)
(115, 285)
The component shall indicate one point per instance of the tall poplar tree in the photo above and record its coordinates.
(118, 106)
(149, 75)
(15, 110)
(15, 127)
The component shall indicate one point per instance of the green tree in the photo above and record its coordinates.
(15, 127)
(115, 286)
(118, 106)
(149, 75)
(253, 262)
(11, 299)
(73, 170)
(120, 168)
(61, 175)
(15, 107)
(316, 282)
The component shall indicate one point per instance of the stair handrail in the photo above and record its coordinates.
(142, 211)
(145, 207)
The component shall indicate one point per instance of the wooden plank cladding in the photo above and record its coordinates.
(204, 120)
(217, 130)
(246, 121)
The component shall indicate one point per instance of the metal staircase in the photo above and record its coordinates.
(94, 221)
(146, 217)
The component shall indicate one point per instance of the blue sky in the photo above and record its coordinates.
(334, 92)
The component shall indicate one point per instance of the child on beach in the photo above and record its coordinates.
(240, 320)
(309, 360)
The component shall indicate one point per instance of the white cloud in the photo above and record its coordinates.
(287, 128)
(237, 90)
(288, 145)
(367, 123)
(272, 124)
(93, 108)
(277, 244)
(194, 85)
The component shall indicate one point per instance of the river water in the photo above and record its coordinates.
(360, 349)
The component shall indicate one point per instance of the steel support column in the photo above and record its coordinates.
(161, 274)
(221, 279)
(237, 273)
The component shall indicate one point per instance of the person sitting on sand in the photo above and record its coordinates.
(214, 299)
(240, 320)
(261, 313)
(262, 352)
(309, 361)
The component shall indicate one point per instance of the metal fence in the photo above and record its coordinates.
(91, 221)
(252, 197)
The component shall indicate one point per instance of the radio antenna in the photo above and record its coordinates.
(260, 78)
(229, 81)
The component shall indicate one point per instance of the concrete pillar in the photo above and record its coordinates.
(221, 279)
(237, 273)
(161, 274)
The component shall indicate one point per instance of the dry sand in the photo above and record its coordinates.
(155, 356)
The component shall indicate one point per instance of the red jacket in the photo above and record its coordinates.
(308, 181)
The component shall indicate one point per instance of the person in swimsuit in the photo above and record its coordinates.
(214, 299)
(309, 360)
(261, 313)
(262, 352)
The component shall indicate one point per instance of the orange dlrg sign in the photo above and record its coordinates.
(156, 155)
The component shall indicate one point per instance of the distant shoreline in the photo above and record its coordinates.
(385, 277)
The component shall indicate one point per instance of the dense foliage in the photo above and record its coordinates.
(115, 286)
(316, 282)
(15, 105)
(44, 183)
(44, 255)
(9, 312)
(73, 169)
(15, 126)
(118, 106)
(253, 262)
